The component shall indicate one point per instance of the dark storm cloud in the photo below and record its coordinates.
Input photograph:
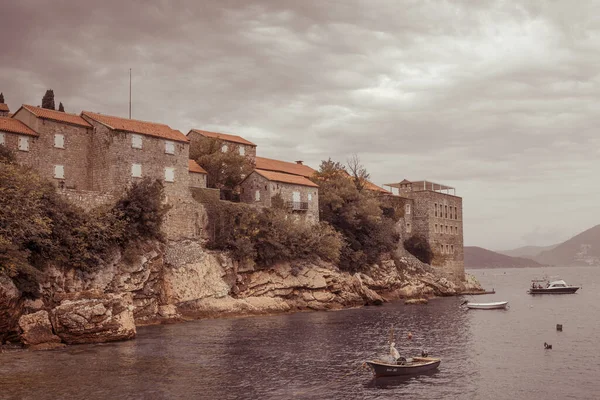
(497, 98)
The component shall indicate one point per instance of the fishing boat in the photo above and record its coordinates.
(408, 366)
(543, 286)
(488, 306)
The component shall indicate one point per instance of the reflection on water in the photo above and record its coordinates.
(485, 354)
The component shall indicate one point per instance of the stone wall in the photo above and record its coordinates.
(28, 158)
(197, 180)
(86, 199)
(74, 156)
(249, 151)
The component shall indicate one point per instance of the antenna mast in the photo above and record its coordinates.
(129, 93)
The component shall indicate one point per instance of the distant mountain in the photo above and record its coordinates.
(477, 257)
(527, 251)
(583, 249)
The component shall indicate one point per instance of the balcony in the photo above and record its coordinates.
(297, 205)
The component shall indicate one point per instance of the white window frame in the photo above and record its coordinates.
(134, 169)
(59, 172)
(2, 142)
(224, 148)
(242, 150)
(169, 147)
(310, 197)
(169, 174)
(59, 141)
(407, 209)
(23, 143)
(257, 195)
(136, 141)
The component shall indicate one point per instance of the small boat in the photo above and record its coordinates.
(488, 306)
(551, 287)
(410, 366)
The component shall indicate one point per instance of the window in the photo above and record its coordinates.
(224, 148)
(59, 171)
(23, 143)
(136, 170)
(257, 195)
(169, 147)
(442, 249)
(407, 208)
(446, 214)
(447, 229)
(169, 174)
(455, 213)
(435, 206)
(436, 228)
(136, 141)
(59, 141)
(1, 138)
(456, 229)
(242, 150)
(296, 197)
(310, 197)
(452, 249)
(408, 228)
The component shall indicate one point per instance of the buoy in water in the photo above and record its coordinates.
(547, 346)
(409, 336)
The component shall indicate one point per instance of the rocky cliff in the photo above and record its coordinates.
(182, 280)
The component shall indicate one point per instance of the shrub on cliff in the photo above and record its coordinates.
(357, 214)
(226, 169)
(266, 236)
(419, 247)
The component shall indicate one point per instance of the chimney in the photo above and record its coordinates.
(299, 162)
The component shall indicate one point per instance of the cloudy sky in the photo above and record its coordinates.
(496, 98)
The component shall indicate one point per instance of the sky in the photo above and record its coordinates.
(499, 99)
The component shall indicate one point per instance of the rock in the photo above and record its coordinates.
(168, 311)
(37, 329)
(102, 318)
(10, 309)
(228, 306)
(416, 301)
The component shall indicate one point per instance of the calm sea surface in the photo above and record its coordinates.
(486, 354)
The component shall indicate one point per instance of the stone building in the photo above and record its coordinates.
(61, 151)
(299, 194)
(435, 212)
(4, 110)
(230, 142)
(297, 168)
(197, 175)
(126, 150)
(21, 139)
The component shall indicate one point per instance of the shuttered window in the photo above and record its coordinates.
(170, 174)
(1, 138)
(59, 141)
(169, 147)
(257, 195)
(136, 141)
(242, 151)
(23, 143)
(136, 170)
(59, 171)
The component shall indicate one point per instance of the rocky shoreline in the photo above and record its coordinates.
(179, 281)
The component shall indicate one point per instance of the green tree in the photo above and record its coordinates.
(61, 108)
(226, 169)
(48, 100)
(1, 97)
(418, 246)
(357, 215)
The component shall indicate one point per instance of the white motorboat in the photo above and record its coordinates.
(488, 306)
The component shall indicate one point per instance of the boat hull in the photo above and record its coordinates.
(562, 290)
(488, 306)
(423, 365)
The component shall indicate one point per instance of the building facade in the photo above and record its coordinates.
(231, 143)
(299, 194)
(435, 212)
(197, 175)
(4, 110)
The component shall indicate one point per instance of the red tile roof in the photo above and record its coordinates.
(286, 178)
(284, 166)
(374, 188)
(15, 126)
(142, 127)
(194, 167)
(4, 107)
(56, 116)
(224, 136)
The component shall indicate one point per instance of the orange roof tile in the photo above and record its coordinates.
(224, 136)
(284, 166)
(58, 116)
(286, 178)
(135, 126)
(194, 167)
(374, 188)
(4, 107)
(15, 126)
